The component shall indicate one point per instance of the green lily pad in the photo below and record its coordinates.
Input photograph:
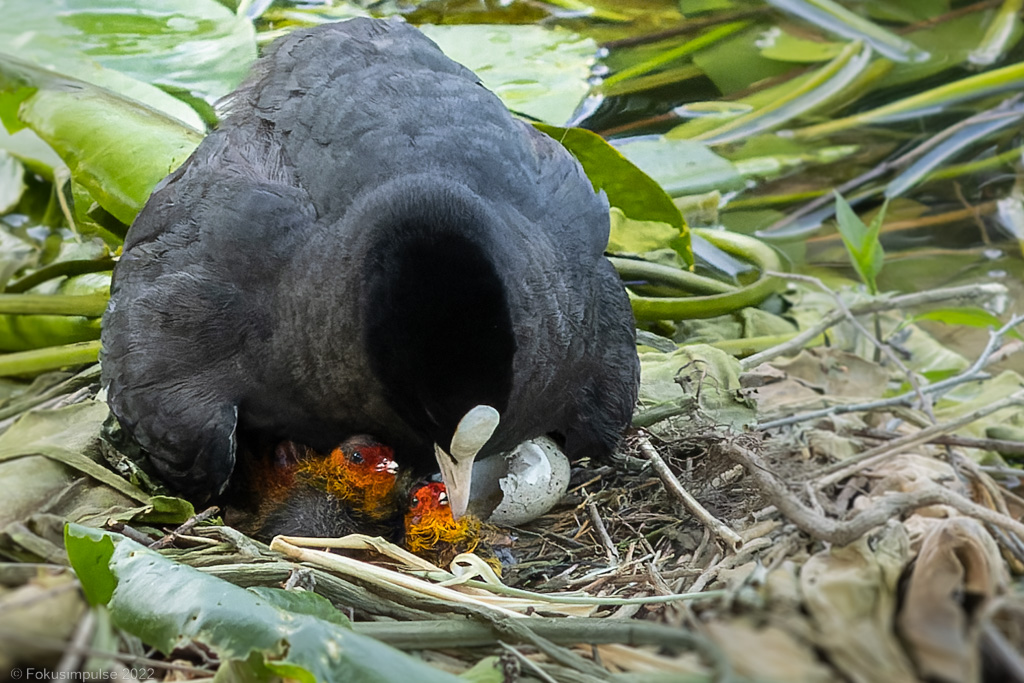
(194, 46)
(681, 166)
(736, 63)
(117, 148)
(779, 45)
(536, 71)
(638, 237)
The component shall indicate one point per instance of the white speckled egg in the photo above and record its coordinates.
(520, 485)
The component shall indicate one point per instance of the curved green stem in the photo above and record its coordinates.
(679, 308)
(59, 269)
(52, 358)
(656, 273)
(748, 346)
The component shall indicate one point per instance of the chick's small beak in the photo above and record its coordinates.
(475, 428)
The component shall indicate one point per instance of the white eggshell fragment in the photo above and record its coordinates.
(535, 479)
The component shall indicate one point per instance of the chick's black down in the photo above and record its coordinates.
(369, 243)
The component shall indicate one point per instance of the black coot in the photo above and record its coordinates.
(368, 243)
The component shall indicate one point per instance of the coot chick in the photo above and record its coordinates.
(368, 243)
(355, 489)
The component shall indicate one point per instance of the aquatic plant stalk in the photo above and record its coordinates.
(36, 361)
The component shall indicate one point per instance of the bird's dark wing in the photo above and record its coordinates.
(185, 311)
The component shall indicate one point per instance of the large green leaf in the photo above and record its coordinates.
(34, 154)
(117, 148)
(636, 193)
(66, 435)
(535, 71)
(23, 332)
(198, 47)
(169, 605)
(629, 236)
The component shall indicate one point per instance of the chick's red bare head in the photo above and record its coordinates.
(429, 521)
(428, 500)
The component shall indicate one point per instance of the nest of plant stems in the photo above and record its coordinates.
(843, 539)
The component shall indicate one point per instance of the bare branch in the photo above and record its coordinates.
(841, 470)
(675, 488)
(885, 508)
(967, 295)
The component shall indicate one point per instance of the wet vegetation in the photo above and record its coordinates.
(817, 209)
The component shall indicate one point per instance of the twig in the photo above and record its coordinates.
(1012, 544)
(878, 343)
(506, 622)
(988, 485)
(995, 338)
(72, 657)
(184, 529)
(379, 577)
(973, 373)
(601, 601)
(130, 532)
(445, 633)
(530, 664)
(997, 471)
(972, 294)
(1005, 351)
(845, 468)
(337, 590)
(675, 488)
(602, 533)
(998, 648)
(884, 508)
(1004, 446)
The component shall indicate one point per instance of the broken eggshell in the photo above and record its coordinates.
(521, 485)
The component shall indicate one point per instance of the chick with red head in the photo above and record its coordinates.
(432, 532)
(354, 489)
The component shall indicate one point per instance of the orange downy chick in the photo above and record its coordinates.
(360, 472)
(298, 492)
(430, 527)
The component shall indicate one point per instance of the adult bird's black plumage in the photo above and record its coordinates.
(371, 243)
